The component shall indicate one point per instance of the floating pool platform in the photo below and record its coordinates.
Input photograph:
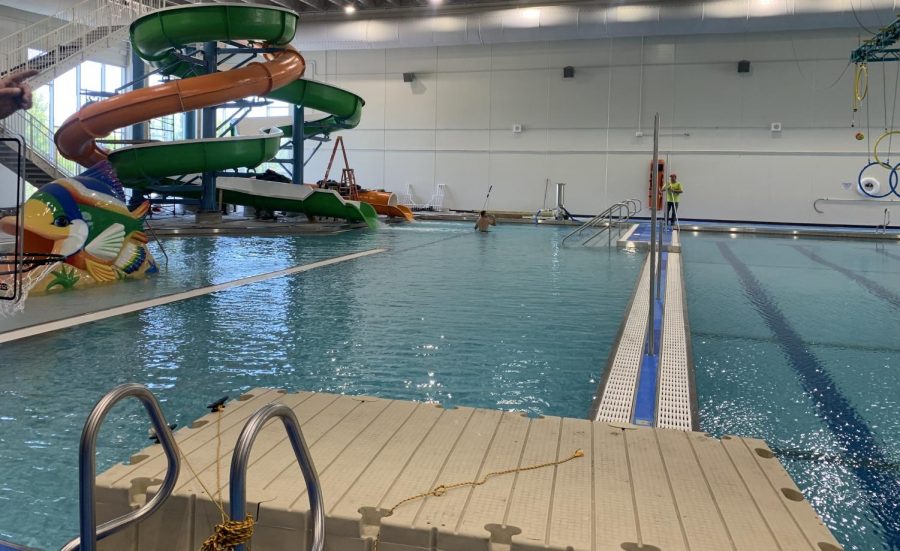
(652, 390)
(638, 237)
(634, 489)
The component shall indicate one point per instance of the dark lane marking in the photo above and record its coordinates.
(821, 344)
(892, 255)
(868, 284)
(860, 446)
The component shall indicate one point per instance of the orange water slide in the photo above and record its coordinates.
(76, 138)
(386, 203)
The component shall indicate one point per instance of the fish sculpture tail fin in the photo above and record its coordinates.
(104, 172)
(141, 210)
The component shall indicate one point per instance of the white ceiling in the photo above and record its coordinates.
(590, 20)
(410, 23)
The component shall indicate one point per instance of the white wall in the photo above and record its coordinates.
(453, 124)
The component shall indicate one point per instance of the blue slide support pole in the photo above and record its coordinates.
(208, 197)
(297, 160)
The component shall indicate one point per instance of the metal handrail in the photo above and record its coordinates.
(39, 140)
(590, 223)
(631, 203)
(68, 14)
(885, 222)
(624, 211)
(78, 22)
(87, 467)
(619, 219)
(241, 458)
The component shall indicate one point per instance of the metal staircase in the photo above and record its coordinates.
(41, 162)
(53, 46)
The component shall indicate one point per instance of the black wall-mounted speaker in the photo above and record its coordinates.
(569, 72)
(409, 77)
(743, 66)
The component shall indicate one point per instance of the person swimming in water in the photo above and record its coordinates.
(484, 221)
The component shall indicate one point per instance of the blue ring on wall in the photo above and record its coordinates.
(892, 181)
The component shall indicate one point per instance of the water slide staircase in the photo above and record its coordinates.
(52, 46)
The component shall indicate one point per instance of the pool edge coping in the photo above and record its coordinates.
(88, 317)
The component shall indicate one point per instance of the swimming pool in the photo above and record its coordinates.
(795, 341)
(505, 320)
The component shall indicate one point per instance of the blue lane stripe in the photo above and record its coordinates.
(892, 255)
(648, 377)
(869, 284)
(858, 444)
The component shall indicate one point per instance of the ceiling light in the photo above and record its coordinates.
(435, 2)
(349, 9)
(531, 13)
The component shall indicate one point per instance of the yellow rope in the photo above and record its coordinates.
(228, 533)
(442, 489)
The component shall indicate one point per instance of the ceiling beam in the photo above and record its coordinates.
(316, 5)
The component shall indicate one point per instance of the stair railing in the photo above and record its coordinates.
(38, 141)
(67, 32)
(604, 222)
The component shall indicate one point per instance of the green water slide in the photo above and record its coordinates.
(158, 37)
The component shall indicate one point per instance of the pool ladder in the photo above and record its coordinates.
(615, 215)
(885, 222)
(91, 533)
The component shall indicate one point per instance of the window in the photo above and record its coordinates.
(65, 97)
(91, 79)
(114, 77)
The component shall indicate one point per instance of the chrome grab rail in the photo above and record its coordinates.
(241, 458)
(617, 208)
(885, 222)
(589, 224)
(635, 205)
(87, 467)
(624, 210)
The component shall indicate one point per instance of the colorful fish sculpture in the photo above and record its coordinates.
(85, 220)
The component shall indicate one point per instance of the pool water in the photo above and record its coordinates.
(795, 341)
(504, 320)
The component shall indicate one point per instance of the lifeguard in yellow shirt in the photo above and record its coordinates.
(673, 194)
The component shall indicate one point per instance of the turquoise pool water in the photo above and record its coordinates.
(795, 341)
(506, 320)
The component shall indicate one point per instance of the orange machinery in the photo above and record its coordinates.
(661, 181)
(384, 202)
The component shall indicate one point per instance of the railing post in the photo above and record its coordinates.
(241, 458)
(651, 323)
(298, 133)
(208, 195)
(90, 532)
